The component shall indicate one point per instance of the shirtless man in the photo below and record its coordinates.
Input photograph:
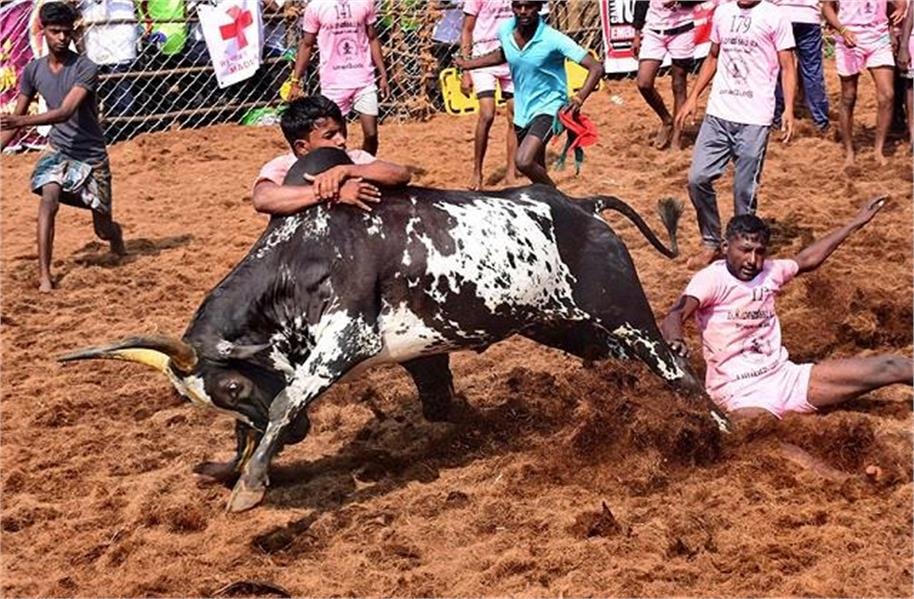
(748, 371)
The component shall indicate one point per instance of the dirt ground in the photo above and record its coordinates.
(568, 480)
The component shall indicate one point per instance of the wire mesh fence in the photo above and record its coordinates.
(156, 72)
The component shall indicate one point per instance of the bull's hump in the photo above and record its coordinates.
(505, 251)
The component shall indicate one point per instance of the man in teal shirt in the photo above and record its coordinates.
(536, 53)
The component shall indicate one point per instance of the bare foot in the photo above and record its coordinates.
(676, 139)
(475, 183)
(510, 180)
(849, 158)
(45, 285)
(663, 136)
(117, 242)
(881, 159)
(706, 256)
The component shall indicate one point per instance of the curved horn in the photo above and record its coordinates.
(155, 350)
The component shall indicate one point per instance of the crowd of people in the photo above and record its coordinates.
(751, 69)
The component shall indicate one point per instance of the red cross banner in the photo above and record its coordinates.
(233, 30)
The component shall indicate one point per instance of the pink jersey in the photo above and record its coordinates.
(275, 170)
(342, 41)
(664, 14)
(863, 13)
(740, 332)
(800, 11)
(747, 66)
(490, 14)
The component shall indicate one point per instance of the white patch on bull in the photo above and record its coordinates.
(375, 226)
(632, 335)
(515, 267)
(404, 336)
(314, 224)
(336, 333)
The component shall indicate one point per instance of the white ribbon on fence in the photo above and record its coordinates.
(233, 30)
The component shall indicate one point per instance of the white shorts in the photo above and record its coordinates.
(363, 100)
(484, 81)
(780, 391)
(655, 46)
(873, 49)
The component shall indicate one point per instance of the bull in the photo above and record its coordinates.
(329, 292)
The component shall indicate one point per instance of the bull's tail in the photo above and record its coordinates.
(669, 210)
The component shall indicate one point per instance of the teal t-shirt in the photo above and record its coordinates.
(538, 71)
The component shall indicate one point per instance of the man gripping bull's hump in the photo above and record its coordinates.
(330, 291)
(314, 122)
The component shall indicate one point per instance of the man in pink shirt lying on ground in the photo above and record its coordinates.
(748, 371)
(864, 42)
(316, 122)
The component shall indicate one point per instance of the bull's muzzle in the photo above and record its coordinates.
(159, 352)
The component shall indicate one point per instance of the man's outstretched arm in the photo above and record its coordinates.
(813, 256)
(671, 327)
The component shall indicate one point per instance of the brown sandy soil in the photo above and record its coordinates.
(567, 481)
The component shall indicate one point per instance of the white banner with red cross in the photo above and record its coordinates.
(233, 30)
(616, 18)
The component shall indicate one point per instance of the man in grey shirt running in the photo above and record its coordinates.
(75, 169)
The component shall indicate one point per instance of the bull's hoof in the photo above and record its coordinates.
(244, 498)
(439, 412)
(223, 473)
(451, 409)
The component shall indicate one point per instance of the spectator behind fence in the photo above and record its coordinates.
(112, 46)
(74, 169)
(309, 123)
(165, 22)
(349, 51)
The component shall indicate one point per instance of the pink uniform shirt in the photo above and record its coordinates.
(276, 170)
(342, 42)
(864, 13)
(747, 67)
(740, 331)
(490, 14)
(801, 11)
(661, 15)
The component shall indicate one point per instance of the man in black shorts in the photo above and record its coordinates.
(535, 53)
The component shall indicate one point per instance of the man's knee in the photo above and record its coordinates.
(699, 179)
(525, 162)
(50, 198)
(848, 98)
(885, 97)
(645, 84)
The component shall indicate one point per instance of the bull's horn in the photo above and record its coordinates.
(156, 351)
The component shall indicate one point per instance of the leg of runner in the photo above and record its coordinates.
(679, 73)
(511, 173)
(47, 211)
(883, 77)
(647, 75)
(369, 133)
(846, 116)
(835, 381)
(481, 139)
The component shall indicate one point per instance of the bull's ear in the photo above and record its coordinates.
(244, 352)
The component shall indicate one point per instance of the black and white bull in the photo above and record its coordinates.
(329, 292)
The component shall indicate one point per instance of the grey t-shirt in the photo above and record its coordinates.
(79, 137)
